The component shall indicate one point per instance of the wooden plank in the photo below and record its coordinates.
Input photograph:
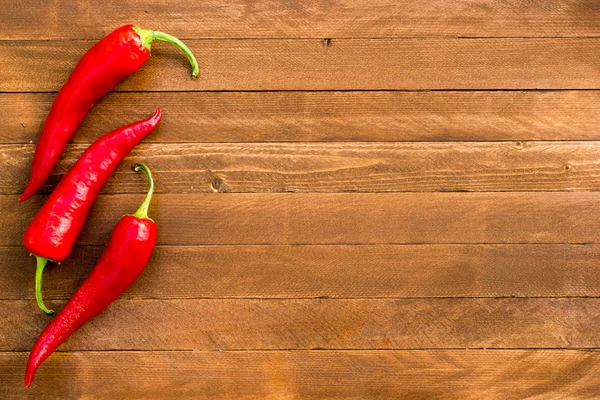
(288, 19)
(336, 167)
(345, 64)
(242, 324)
(335, 271)
(338, 218)
(464, 374)
(324, 116)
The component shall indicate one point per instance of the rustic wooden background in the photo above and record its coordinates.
(357, 199)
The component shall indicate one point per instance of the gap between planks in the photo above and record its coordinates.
(357, 350)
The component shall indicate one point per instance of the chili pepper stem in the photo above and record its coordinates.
(142, 212)
(41, 263)
(148, 36)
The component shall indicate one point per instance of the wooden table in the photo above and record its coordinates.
(356, 199)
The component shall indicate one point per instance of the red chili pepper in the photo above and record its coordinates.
(111, 60)
(126, 255)
(54, 229)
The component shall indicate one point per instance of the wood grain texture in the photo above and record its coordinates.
(334, 271)
(495, 374)
(232, 324)
(289, 19)
(323, 116)
(335, 167)
(342, 218)
(345, 64)
(352, 287)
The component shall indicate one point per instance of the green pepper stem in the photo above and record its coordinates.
(41, 263)
(148, 36)
(142, 212)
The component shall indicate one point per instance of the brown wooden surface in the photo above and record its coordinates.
(338, 218)
(302, 324)
(338, 167)
(315, 237)
(73, 19)
(309, 64)
(328, 116)
(330, 271)
(415, 374)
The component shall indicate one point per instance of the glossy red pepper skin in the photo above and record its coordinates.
(126, 255)
(52, 232)
(58, 223)
(108, 62)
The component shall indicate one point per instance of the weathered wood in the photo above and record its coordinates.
(336, 167)
(337, 271)
(375, 272)
(290, 19)
(346, 64)
(323, 116)
(338, 218)
(490, 374)
(242, 324)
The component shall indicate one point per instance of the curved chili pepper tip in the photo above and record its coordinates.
(41, 263)
(148, 36)
(156, 117)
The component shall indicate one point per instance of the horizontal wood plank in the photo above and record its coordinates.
(289, 19)
(345, 64)
(336, 167)
(493, 374)
(323, 116)
(342, 218)
(335, 271)
(234, 324)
